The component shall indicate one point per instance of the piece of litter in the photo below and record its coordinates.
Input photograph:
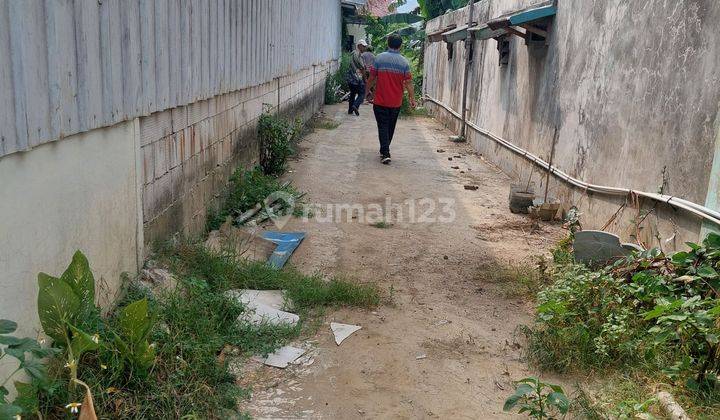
(263, 307)
(281, 357)
(471, 187)
(454, 167)
(420, 356)
(441, 150)
(442, 322)
(343, 331)
(286, 243)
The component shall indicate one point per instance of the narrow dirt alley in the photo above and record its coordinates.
(447, 345)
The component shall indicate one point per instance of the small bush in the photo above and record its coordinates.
(648, 312)
(276, 140)
(335, 83)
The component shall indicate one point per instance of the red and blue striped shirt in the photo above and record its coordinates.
(390, 70)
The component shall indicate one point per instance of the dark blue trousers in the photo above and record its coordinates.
(386, 119)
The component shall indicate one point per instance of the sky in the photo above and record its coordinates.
(408, 7)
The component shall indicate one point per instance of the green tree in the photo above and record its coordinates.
(431, 9)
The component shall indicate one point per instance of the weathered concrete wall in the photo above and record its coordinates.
(189, 152)
(79, 193)
(633, 89)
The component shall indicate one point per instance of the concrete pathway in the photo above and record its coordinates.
(447, 347)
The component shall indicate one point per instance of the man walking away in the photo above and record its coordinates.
(356, 78)
(368, 59)
(391, 74)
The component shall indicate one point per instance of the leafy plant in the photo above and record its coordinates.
(540, 400)
(134, 326)
(67, 311)
(63, 303)
(649, 311)
(28, 353)
(276, 138)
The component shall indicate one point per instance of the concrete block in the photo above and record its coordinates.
(154, 127)
(160, 155)
(194, 143)
(174, 152)
(147, 202)
(148, 163)
(197, 112)
(176, 183)
(179, 118)
(212, 105)
(190, 169)
(161, 196)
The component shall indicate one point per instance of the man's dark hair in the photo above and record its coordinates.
(394, 41)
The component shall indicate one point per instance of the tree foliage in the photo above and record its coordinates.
(431, 9)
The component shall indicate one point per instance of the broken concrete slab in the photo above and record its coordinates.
(281, 357)
(598, 247)
(263, 307)
(343, 331)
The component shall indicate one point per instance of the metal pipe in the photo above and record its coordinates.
(694, 208)
(468, 53)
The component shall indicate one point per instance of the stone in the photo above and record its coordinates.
(155, 280)
(282, 357)
(263, 307)
(598, 247)
(343, 331)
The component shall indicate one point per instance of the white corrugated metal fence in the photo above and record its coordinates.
(70, 66)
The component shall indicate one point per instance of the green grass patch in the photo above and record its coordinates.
(192, 325)
(224, 271)
(247, 189)
(381, 224)
(516, 280)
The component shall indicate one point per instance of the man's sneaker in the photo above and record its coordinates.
(357, 113)
(386, 160)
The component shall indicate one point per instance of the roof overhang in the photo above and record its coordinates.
(484, 32)
(437, 36)
(534, 22)
(457, 34)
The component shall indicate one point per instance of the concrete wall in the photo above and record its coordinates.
(633, 89)
(80, 193)
(189, 152)
(357, 32)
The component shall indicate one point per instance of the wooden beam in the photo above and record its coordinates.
(514, 31)
(535, 30)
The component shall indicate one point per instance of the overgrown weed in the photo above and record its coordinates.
(248, 189)
(649, 319)
(224, 271)
(516, 280)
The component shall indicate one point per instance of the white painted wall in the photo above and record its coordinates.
(78, 193)
(357, 31)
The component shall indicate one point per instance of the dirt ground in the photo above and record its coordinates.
(447, 346)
